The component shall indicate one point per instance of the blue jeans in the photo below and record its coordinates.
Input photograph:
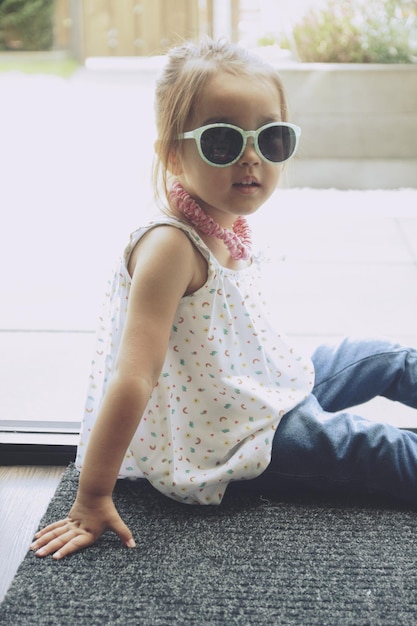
(320, 446)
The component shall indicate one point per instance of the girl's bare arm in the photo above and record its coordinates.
(164, 267)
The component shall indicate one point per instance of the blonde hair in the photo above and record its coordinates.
(190, 66)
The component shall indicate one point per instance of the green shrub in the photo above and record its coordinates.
(358, 31)
(26, 24)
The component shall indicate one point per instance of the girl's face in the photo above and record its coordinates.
(222, 192)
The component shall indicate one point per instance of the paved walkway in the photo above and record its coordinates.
(75, 162)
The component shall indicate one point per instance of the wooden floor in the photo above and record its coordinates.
(25, 493)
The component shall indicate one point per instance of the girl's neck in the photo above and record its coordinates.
(238, 241)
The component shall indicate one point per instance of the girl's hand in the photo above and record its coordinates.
(83, 526)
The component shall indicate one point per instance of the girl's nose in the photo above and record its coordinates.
(249, 156)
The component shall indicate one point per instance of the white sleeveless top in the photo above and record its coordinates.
(227, 380)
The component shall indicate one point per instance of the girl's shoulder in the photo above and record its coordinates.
(188, 230)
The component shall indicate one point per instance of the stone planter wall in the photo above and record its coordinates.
(359, 125)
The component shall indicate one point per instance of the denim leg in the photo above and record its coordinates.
(335, 452)
(319, 446)
(356, 371)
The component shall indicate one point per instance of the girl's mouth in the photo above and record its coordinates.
(247, 186)
(243, 184)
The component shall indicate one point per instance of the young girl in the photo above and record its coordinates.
(190, 386)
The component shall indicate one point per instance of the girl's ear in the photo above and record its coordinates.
(174, 164)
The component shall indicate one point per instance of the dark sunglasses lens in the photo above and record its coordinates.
(277, 143)
(221, 145)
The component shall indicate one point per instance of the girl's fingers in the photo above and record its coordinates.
(67, 544)
(52, 541)
(61, 544)
(51, 527)
(55, 538)
(79, 542)
(49, 533)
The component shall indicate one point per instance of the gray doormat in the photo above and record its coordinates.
(254, 560)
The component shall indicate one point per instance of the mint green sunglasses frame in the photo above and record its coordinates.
(245, 134)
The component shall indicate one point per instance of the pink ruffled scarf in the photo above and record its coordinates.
(238, 241)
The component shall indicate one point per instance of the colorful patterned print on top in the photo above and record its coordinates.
(227, 380)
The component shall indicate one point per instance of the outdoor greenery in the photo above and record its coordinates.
(26, 24)
(358, 31)
(63, 67)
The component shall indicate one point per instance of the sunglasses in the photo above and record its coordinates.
(223, 144)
